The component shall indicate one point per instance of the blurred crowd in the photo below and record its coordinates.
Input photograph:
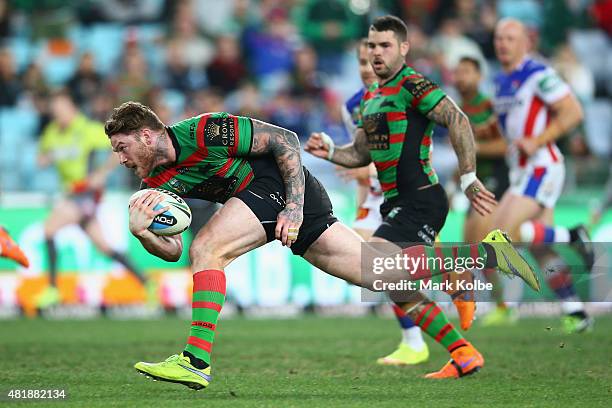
(290, 62)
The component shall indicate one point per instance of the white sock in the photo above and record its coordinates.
(572, 305)
(527, 232)
(562, 234)
(413, 337)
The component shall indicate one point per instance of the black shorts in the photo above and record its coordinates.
(415, 219)
(265, 196)
(496, 180)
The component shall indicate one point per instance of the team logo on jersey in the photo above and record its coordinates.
(503, 104)
(388, 103)
(220, 132)
(178, 185)
(549, 83)
(215, 188)
(377, 131)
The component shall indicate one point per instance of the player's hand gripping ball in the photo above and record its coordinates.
(171, 222)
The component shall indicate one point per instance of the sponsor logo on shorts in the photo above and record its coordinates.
(427, 234)
(394, 212)
(280, 200)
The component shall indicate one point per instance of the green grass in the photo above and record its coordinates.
(308, 362)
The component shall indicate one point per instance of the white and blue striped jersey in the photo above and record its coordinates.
(522, 102)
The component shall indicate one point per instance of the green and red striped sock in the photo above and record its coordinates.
(208, 299)
(434, 322)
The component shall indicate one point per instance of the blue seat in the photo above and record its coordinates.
(58, 70)
(17, 132)
(598, 126)
(592, 48)
(18, 122)
(106, 42)
(44, 180)
(175, 101)
(22, 52)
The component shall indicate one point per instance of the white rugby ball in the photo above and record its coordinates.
(175, 220)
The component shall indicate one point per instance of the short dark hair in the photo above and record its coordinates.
(473, 61)
(131, 117)
(391, 23)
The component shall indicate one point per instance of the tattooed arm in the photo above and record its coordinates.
(446, 113)
(354, 154)
(284, 145)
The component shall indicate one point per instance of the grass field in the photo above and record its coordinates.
(309, 362)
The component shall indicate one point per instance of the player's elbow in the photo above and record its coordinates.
(579, 114)
(365, 160)
(174, 251)
(571, 113)
(459, 126)
(292, 138)
(171, 256)
(463, 120)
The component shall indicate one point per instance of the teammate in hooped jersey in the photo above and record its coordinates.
(536, 107)
(412, 348)
(398, 115)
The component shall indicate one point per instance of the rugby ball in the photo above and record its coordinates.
(175, 220)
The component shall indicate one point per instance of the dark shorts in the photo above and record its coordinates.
(415, 219)
(497, 180)
(265, 196)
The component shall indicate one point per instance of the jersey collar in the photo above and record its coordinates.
(175, 144)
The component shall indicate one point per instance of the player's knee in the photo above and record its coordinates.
(204, 253)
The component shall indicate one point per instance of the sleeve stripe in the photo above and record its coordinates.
(416, 101)
(252, 136)
(435, 104)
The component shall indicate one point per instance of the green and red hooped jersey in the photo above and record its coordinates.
(211, 152)
(481, 114)
(399, 133)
